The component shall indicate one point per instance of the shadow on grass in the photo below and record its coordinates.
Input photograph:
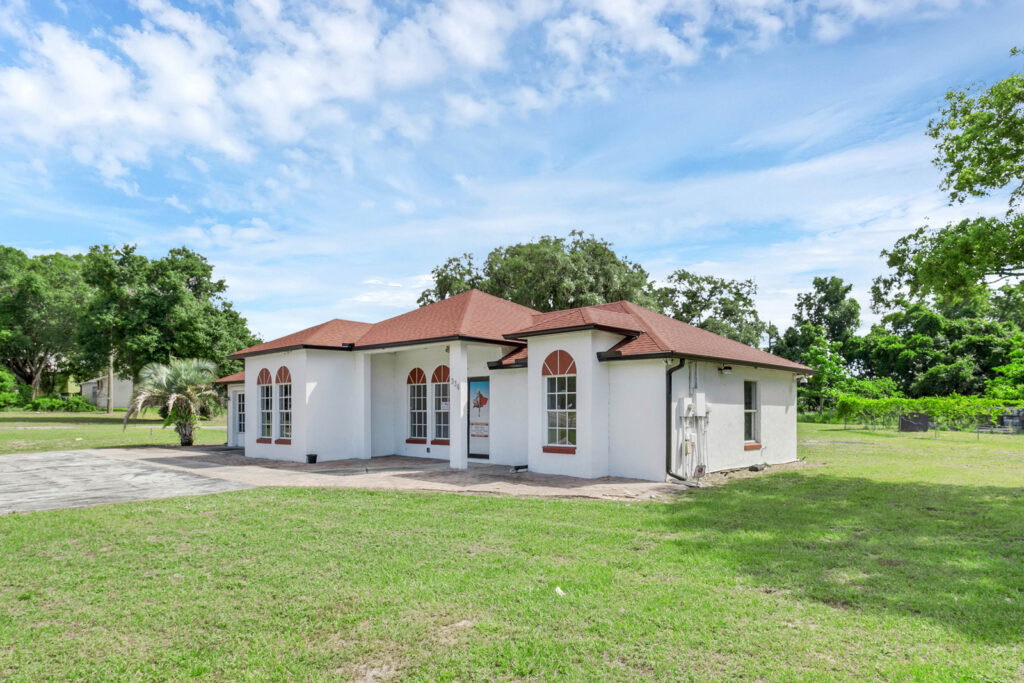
(953, 555)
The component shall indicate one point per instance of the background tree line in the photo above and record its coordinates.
(952, 301)
(78, 315)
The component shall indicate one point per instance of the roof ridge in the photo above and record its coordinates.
(648, 328)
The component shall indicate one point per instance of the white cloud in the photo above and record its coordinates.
(465, 110)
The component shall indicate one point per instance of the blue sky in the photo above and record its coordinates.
(326, 156)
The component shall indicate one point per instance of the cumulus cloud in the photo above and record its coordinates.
(176, 81)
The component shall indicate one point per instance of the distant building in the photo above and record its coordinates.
(95, 391)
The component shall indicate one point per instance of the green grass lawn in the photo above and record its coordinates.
(22, 431)
(899, 558)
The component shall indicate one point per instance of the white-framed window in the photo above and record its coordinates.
(417, 383)
(441, 427)
(751, 418)
(441, 397)
(284, 411)
(240, 411)
(559, 372)
(266, 411)
(560, 393)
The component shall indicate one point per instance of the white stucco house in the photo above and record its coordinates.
(608, 390)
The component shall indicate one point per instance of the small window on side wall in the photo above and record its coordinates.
(751, 421)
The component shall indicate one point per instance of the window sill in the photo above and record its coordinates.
(284, 442)
(263, 439)
(439, 442)
(423, 441)
(569, 450)
(751, 446)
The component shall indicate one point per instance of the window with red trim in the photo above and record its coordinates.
(283, 380)
(559, 371)
(441, 396)
(417, 383)
(266, 392)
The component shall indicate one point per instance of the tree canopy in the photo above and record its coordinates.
(715, 304)
(149, 311)
(829, 309)
(979, 143)
(550, 274)
(40, 303)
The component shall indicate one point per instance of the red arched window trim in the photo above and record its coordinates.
(441, 374)
(264, 377)
(416, 376)
(283, 376)
(559, 363)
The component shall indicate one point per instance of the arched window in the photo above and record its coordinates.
(283, 380)
(266, 406)
(559, 373)
(439, 386)
(417, 383)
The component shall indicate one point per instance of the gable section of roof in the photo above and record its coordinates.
(472, 315)
(611, 317)
(674, 336)
(333, 334)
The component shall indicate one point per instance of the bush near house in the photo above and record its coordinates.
(56, 404)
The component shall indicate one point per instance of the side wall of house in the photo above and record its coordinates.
(636, 418)
(337, 405)
(724, 396)
(509, 416)
(295, 451)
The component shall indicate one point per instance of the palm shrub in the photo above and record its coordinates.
(184, 387)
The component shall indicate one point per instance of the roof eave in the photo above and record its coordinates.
(574, 328)
(498, 365)
(436, 340)
(618, 355)
(237, 355)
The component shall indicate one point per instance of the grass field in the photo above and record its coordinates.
(22, 431)
(898, 558)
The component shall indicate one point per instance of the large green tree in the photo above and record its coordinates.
(549, 274)
(149, 311)
(827, 308)
(41, 300)
(715, 304)
(979, 141)
(935, 349)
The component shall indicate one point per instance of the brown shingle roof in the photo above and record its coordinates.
(472, 314)
(333, 334)
(654, 334)
(476, 315)
(231, 379)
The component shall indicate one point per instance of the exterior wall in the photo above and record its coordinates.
(383, 409)
(724, 395)
(295, 361)
(234, 438)
(390, 399)
(509, 417)
(591, 457)
(636, 419)
(355, 405)
(336, 399)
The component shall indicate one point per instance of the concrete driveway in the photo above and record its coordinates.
(67, 479)
(62, 479)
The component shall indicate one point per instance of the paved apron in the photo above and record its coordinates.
(68, 479)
